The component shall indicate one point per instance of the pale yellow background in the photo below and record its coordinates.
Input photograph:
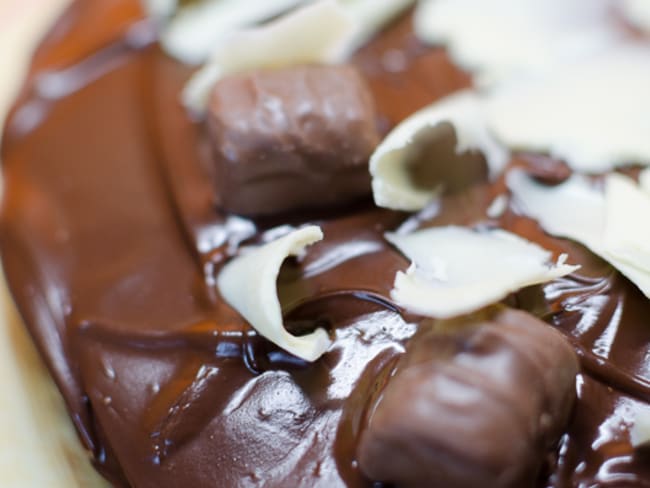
(38, 447)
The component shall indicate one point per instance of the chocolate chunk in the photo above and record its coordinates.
(545, 169)
(291, 139)
(477, 406)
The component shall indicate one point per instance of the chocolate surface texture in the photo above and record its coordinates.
(111, 239)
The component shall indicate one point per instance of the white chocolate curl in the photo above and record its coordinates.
(325, 31)
(604, 104)
(538, 59)
(602, 221)
(190, 33)
(457, 270)
(391, 184)
(317, 33)
(248, 284)
(640, 431)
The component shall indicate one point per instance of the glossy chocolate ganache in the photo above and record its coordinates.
(111, 241)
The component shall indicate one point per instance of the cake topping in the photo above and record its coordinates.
(160, 9)
(637, 12)
(640, 431)
(599, 220)
(604, 104)
(394, 161)
(325, 31)
(501, 39)
(498, 206)
(542, 59)
(317, 33)
(248, 284)
(474, 406)
(644, 180)
(624, 237)
(456, 270)
(292, 139)
(191, 30)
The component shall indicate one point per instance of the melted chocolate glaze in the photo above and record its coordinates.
(110, 240)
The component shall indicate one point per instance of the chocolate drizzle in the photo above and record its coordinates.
(110, 238)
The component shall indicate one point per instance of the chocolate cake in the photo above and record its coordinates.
(120, 209)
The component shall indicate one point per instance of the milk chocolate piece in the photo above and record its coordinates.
(291, 139)
(475, 407)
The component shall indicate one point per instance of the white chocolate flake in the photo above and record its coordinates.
(316, 33)
(498, 206)
(448, 277)
(370, 16)
(592, 114)
(637, 12)
(498, 39)
(391, 184)
(190, 33)
(587, 220)
(640, 431)
(248, 284)
(564, 76)
(549, 204)
(625, 237)
(193, 32)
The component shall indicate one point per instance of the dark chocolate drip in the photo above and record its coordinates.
(110, 239)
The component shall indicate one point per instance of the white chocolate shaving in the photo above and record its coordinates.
(195, 30)
(640, 431)
(317, 33)
(498, 39)
(191, 33)
(564, 77)
(548, 205)
(160, 9)
(391, 184)
(248, 284)
(448, 277)
(593, 218)
(592, 114)
(644, 180)
(637, 12)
